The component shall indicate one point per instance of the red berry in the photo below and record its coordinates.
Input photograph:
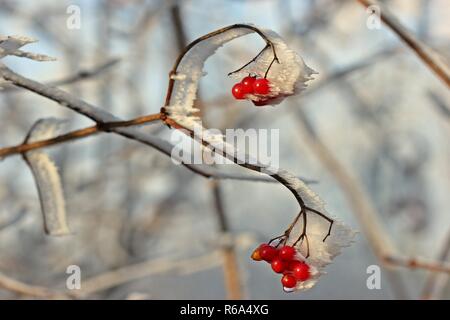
(238, 91)
(267, 252)
(256, 255)
(278, 265)
(292, 264)
(288, 281)
(287, 253)
(247, 84)
(301, 271)
(261, 86)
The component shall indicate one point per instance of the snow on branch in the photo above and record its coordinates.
(9, 46)
(47, 178)
(314, 235)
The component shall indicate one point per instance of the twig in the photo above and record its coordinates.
(364, 210)
(22, 288)
(230, 261)
(431, 59)
(133, 272)
(435, 283)
(440, 104)
(79, 76)
(282, 176)
(76, 134)
(103, 117)
(417, 263)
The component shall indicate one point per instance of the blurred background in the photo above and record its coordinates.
(373, 125)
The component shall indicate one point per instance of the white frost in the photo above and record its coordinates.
(47, 178)
(9, 46)
(288, 77)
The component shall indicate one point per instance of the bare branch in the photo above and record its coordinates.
(431, 58)
(22, 288)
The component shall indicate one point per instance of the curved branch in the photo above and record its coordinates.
(108, 122)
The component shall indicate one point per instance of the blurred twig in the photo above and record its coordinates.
(363, 209)
(76, 134)
(429, 57)
(136, 271)
(230, 261)
(22, 288)
(440, 104)
(78, 76)
(436, 283)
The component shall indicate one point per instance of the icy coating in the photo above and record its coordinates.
(47, 178)
(288, 77)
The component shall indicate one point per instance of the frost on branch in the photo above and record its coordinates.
(287, 75)
(320, 252)
(315, 236)
(47, 178)
(9, 46)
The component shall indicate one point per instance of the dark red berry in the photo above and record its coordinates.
(256, 255)
(287, 253)
(288, 281)
(247, 84)
(301, 271)
(278, 265)
(267, 252)
(238, 91)
(261, 86)
(292, 264)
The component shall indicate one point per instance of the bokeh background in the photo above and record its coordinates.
(374, 108)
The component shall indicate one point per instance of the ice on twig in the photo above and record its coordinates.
(288, 75)
(9, 46)
(47, 178)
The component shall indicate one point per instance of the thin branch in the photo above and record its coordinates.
(76, 134)
(439, 104)
(230, 261)
(78, 76)
(109, 122)
(141, 270)
(430, 58)
(22, 288)
(435, 283)
(282, 176)
(364, 210)
(417, 263)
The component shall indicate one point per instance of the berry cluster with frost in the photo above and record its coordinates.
(283, 69)
(274, 74)
(287, 261)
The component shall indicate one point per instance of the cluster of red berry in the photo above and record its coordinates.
(283, 260)
(251, 85)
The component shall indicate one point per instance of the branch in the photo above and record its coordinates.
(136, 271)
(436, 283)
(364, 210)
(230, 261)
(417, 263)
(106, 122)
(74, 135)
(429, 57)
(22, 288)
(78, 76)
